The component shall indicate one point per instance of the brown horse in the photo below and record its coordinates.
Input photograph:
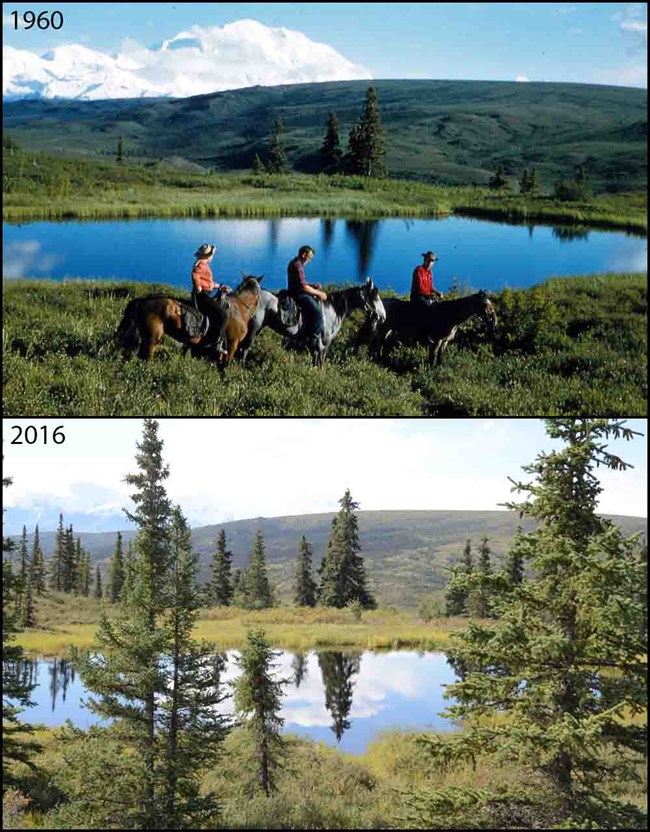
(147, 319)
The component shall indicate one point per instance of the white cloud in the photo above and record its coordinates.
(25, 258)
(634, 22)
(193, 62)
(301, 466)
(522, 78)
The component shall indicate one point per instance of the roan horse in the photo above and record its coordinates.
(339, 304)
(147, 319)
(435, 325)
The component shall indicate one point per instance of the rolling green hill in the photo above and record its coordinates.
(406, 552)
(447, 132)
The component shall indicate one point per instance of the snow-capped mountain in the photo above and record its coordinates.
(199, 60)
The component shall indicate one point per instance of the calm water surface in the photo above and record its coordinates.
(340, 698)
(477, 253)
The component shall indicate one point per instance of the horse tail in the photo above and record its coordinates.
(127, 335)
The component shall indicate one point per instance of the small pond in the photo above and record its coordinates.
(341, 698)
(476, 254)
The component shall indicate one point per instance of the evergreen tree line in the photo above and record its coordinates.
(67, 570)
(341, 581)
(364, 156)
(469, 589)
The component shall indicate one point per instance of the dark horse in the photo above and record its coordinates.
(147, 319)
(434, 325)
(339, 304)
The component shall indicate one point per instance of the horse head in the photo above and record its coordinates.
(487, 310)
(373, 303)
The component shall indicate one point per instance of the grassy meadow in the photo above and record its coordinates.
(63, 621)
(40, 187)
(567, 347)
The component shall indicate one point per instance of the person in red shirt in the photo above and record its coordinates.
(423, 291)
(202, 285)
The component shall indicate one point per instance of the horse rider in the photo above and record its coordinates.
(215, 307)
(423, 292)
(306, 295)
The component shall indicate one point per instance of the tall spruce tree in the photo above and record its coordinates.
(331, 152)
(277, 161)
(127, 677)
(342, 572)
(190, 725)
(98, 591)
(116, 571)
(57, 559)
(221, 586)
(565, 662)
(38, 564)
(478, 602)
(304, 588)
(258, 697)
(366, 151)
(259, 587)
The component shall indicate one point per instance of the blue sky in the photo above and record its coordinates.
(574, 42)
(429, 464)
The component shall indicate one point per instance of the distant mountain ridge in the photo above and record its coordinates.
(407, 553)
(448, 132)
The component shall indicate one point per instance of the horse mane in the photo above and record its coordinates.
(340, 298)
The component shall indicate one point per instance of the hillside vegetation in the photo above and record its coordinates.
(407, 553)
(447, 132)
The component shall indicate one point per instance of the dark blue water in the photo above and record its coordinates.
(341, 698)
(476, 253)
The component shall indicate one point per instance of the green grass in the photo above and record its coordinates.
(65, 188)
(65, 621)
(566, 347)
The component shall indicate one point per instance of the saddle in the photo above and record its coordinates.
(195, 323)
(288, 309)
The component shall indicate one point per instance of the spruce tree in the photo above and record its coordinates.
(68, 561)
(221, 588)
(116, 572)
(366, 141)
(342, 572)
(190, 726)
(277, 161)
(84, 576)
(331, 153)
(258, 165)
(499, 181)
(258, 696)
(17, 745)
(557, 682)
(56, 562)
(525, 182)
(98, 591)
(535, 183)
(259, 586)
(127, 677)
(119, 157)
(24, 565)
(478, 602)
(304, 593)
(513, 568)
(38, 564)
(456, 592)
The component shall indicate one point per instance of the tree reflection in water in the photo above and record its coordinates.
(327, 229)
(61, 674)
(569, 233)
(338, 670)
(299, 667)
(364, 232)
